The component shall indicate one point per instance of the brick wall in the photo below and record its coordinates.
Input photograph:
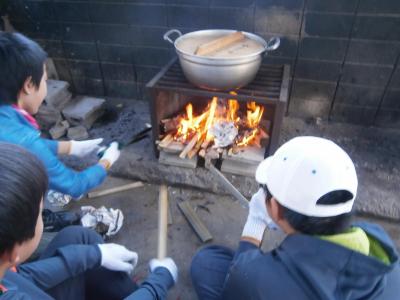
(344, 53)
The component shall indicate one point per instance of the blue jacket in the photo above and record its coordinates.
(33, 279)
(15, 129)
(306, 267)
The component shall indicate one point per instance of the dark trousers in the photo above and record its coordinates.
(96, 284)
(209, 269)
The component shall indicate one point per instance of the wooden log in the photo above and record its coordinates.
(220, 43)
(173, 147)
(162, 222)
(263, 134)
(117, 189)
(202, 153)
(198, 226)
(166, 141)
(205, 144)
(170, 124)
(189, 146)
(211, 154)
(196, 148)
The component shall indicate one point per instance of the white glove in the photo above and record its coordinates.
(167, 263)
(111, 154)
(258, 218)
(117, 258)
(83, 148)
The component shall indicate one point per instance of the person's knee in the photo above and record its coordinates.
(203, 258)
(82, 235)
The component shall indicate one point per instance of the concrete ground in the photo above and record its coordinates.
(375, 151)
(223, 216)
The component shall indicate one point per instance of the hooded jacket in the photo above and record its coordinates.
(15, 129)
(307, 267)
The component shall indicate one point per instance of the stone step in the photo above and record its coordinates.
(84, 110)
(58, 94)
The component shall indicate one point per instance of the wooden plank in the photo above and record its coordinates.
(220, 43)
(198, 226)
(117, 189)
(162, 222)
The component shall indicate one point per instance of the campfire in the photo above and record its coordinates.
(222, 126)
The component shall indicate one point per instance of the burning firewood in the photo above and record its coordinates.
(166, 141)
(189, 146)
(196, 148)
(221, 127)
(170, 124)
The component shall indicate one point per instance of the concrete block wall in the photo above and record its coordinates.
(344, 54)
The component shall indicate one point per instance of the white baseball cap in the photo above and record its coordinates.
(306, 168)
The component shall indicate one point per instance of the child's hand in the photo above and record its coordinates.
(83, 148)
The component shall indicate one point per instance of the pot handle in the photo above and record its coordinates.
(273, 44)
(169, 32)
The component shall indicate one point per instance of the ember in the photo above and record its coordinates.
(223, 124)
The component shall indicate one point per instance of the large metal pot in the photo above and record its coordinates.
(219, 73)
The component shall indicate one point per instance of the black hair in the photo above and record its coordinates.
(23, 183)
(319, 225)
(20, 58)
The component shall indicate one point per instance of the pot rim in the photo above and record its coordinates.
(215, 59)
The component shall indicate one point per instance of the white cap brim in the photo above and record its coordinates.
(262, 170)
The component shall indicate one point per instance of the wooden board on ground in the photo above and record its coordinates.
(117, 189)
(194, 221)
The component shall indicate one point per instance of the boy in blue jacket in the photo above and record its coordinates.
(308, 190)
(22, 90)
(76, 264)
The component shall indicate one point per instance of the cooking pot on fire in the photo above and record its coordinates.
(232, 67)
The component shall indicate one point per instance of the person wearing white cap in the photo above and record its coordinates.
(308, 189)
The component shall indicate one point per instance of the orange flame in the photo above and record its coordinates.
(217, 111)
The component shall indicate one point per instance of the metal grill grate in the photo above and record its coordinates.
(266, 86)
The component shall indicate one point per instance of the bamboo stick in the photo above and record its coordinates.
(162, 222)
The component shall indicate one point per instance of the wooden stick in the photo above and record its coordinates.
(226, 183)
(189, 146)
(194, 221)
(196, 148)
(173, 147)
(220, 43)
(166, 140)
(202, 153)
(162, 222)
(205, 144)
(117, 189)
(263, 134)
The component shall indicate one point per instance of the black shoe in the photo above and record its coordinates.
(55, 221)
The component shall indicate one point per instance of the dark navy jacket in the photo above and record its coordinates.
(33, 279)
(15, 129)
(306, 267)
